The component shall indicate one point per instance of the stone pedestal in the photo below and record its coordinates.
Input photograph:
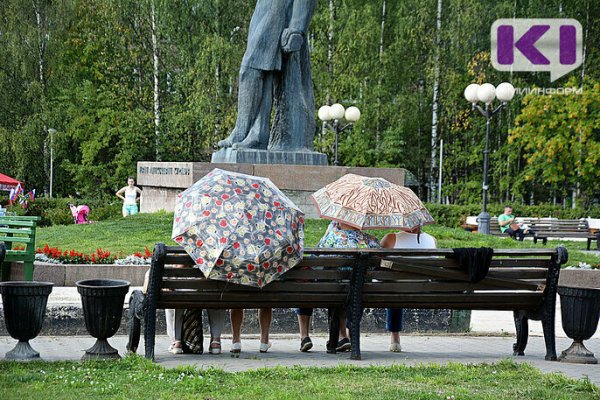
(253, 156)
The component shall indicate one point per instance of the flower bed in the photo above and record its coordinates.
(54, 255)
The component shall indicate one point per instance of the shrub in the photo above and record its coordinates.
(55, 211)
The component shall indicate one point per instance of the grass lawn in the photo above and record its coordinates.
(137, 378)
(124, 236)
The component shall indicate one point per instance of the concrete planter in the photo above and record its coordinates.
(68, 274)
(582, 278)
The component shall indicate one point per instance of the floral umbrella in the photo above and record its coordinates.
(370, 203)
(239, 228)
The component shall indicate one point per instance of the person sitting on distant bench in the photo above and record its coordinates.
(509, 226)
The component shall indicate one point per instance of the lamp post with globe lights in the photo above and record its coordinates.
(486, 93)
(342, 119)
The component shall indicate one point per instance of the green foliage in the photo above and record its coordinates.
(85, 68)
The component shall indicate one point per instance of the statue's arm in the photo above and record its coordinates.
(294, 35)
(302, 13)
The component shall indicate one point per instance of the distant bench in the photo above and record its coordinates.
(565, 228)
(19, 230)
(545, 228)
(520, 280)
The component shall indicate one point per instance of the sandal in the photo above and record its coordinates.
(236, 347)
(215, 347)
(176, 348)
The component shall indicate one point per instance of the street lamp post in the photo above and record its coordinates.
(486, 93)
(338, 115)
(51, 132)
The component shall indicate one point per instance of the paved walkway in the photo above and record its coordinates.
(417, 350)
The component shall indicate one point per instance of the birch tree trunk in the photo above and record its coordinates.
(329, 64)
(435, 104)
(155, 56)
(380, 80)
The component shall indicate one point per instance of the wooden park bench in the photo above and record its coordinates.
(19, 230)
(521, 280)
(565, 228)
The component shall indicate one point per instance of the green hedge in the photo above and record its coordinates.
(454, 215)
(56, 211)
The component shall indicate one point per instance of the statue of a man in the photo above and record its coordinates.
(276, 69)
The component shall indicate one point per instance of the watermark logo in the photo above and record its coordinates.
(546, 44)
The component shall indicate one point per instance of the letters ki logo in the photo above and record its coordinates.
(550, 44)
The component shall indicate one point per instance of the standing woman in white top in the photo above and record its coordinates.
(406, 239)
(131, 197)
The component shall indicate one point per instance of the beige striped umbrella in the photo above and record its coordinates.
(370, 203)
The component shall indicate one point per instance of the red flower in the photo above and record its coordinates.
(259, 282)
(223, 223)
(138, 254)
(269, 215)
(199, 243)
(266, 265)
(250, 267)
(257, 195)
(188, 204)
(219, 202)
(229, 275)
(255, 185)
(179, 239)
(280, 269)
(223, 240)
(289, 249)
(238, 190)
(236, 245)
(225, 196)
(206, 213)
(220, 262)
(276, 203)
(200, 261)
(249, 216)
(147, 253)
(228, 182)
(267, 241)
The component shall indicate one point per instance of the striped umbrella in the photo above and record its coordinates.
(370, 203)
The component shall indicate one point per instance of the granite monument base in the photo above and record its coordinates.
(254, 156)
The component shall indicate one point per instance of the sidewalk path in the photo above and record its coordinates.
(416, 350)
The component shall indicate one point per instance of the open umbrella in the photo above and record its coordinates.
(370, 203)
(239, 228)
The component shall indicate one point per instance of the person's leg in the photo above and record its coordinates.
(511, 233)
(174, 319)
(249, 98)
(124, 210)
(237, 317)
(133, 209)
(394, 326)
(265, 316)
(258, 135)
(520, 234)
(216, 321)
(304, 315)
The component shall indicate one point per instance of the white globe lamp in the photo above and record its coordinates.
(486, 93)
(352, 114)
(323, 113)
(505, 92)
(471, 93)
(336, 111)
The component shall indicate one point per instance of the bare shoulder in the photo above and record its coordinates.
(389, 240)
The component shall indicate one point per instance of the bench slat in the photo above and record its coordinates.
(20, 231)
(16, 239)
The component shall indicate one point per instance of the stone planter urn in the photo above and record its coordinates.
(24, 309)
(579, 291)
(102, 301)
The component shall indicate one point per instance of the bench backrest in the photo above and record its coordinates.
(517, 279)
(19, 230)
(563, 226)
(495, 227)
